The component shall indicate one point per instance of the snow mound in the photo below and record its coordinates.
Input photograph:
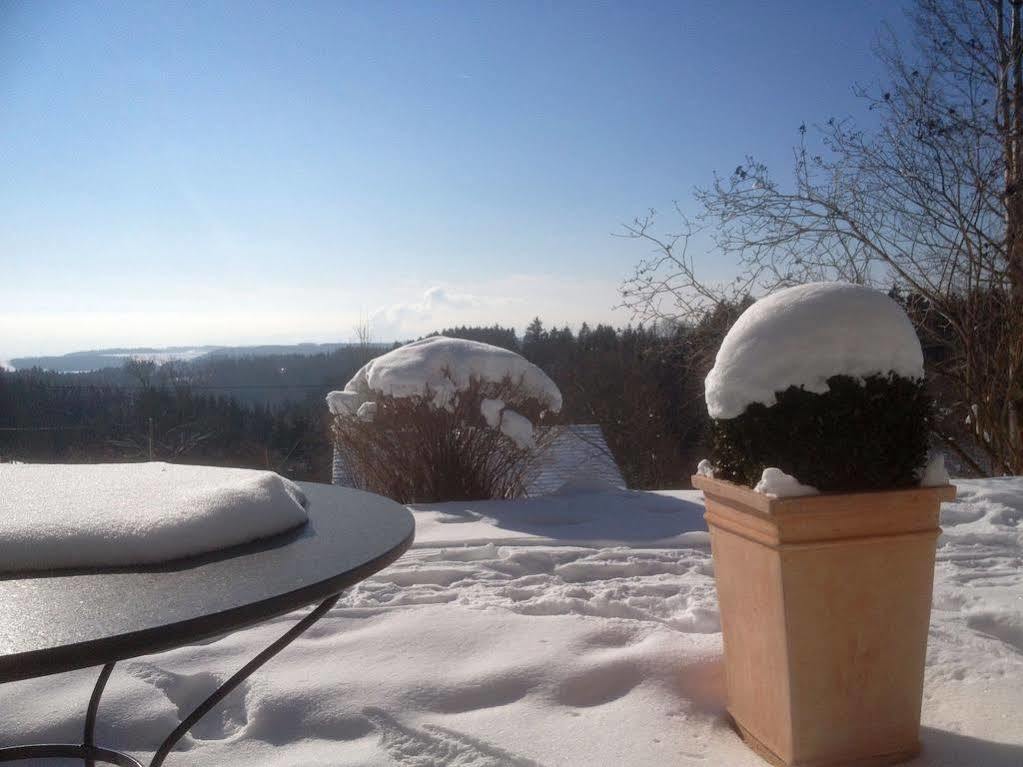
(517, 428)
(491, 411)
(803, 335)
(446, 366)
(777, 484)
(55, 516)
(934, 474)
(344, 402)
(367, 411)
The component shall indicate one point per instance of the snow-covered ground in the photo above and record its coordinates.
(572, 630)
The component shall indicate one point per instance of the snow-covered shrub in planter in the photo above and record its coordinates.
(875, 429)
(444, 419)
(824, 382)
(825, 591)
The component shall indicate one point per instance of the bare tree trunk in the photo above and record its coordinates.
(1014, 218)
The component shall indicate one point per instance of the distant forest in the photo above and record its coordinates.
(643, 386)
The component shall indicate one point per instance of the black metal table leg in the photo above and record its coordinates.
(88, 740)
(67, 751)
(90, 753)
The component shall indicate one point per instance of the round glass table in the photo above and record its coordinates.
(63, 620)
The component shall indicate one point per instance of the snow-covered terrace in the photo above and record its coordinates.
(576, 629)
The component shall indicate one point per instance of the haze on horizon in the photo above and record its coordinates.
(248, 173)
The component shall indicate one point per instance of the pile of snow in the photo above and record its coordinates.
(67, 516)
(934, 473)
(367, 411)
(445, 367)
(803, 335)
(572, 631)
(775, 483)
(491, 409)
(517, 428)
(513, 425)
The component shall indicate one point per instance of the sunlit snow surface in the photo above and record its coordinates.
(578, 629)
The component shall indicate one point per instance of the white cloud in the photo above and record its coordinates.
(511, 301)
(437, 307)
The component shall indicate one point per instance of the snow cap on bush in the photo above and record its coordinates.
(445, 366)
(802, 336)
(820, 388)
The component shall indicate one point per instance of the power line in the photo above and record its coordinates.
(44, 428)
(170, 388)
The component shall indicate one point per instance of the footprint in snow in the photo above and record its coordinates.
(599, 684)
(1007, 627)
(460, 517)
(432, 745)
(186, 691)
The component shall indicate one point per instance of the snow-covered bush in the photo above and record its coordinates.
(444, 419)
(825, 382)
(868, 434)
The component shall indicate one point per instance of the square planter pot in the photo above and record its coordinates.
(825, 608)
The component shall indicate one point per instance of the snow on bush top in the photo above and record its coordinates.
(446, 366)
(801, 336)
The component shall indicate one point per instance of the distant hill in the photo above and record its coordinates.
(268, 350)
(101, 359)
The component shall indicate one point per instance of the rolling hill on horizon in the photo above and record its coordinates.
(101, 359)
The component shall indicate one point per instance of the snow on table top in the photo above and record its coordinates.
(537, 647)
(446, 366)
(803, 335)
(82, 515)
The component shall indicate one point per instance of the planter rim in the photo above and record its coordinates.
(773, 506)
(822, 520)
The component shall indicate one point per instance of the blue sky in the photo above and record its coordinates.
(185, 173)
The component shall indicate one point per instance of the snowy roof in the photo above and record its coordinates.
(804, 335)
(341, 471)
(578, 455)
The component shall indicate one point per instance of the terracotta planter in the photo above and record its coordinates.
(825, 608)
